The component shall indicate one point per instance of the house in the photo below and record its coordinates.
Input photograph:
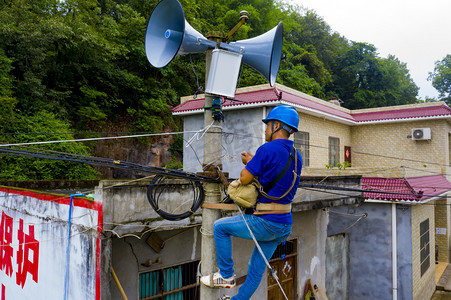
(407, 142)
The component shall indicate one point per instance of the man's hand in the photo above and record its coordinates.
(246, 157)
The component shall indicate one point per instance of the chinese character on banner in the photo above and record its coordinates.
(27, 242)
(6, 250)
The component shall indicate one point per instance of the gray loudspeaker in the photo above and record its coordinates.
(169, 35)
(263, 53)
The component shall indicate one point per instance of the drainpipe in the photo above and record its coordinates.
(394, 251)
(66, 277)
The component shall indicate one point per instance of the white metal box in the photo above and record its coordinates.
(421, 133)
(223, 74)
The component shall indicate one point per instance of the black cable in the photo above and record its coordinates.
(159, 185)
(105, 162)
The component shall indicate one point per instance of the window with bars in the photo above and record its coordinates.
(302, 143)
(334, 151)
(425, 259)
(284, 249)
(173, 283)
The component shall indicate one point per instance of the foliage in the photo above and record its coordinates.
(41, 127)
(441, 78)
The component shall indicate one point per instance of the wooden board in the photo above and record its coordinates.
(308, 290)
(313, 292)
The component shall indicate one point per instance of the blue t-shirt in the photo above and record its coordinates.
(267, 162)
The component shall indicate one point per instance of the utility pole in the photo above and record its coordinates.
(212, 161)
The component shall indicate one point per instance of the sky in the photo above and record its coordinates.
(417, 32)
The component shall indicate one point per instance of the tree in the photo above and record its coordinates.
(364, 80)
(42, 127)
(441, 78)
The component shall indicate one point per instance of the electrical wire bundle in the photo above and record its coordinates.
(101, 162)
(162, 184)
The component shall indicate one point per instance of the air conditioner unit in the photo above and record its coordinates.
(419, 134)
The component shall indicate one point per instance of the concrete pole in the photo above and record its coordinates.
(212, 160)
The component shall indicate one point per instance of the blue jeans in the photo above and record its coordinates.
(268, 234)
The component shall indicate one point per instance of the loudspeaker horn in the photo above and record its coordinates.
(168, 35)
(263, 53)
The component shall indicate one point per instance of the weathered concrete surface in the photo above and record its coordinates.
(314, 198)
(337, 266)
(444, 283)
(371, 249)
(248, 135)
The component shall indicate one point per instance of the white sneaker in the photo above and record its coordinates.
(216, 280)
(225, 297)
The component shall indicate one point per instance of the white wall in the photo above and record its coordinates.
(47, 215)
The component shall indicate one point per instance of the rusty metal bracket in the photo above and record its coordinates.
(244, 16)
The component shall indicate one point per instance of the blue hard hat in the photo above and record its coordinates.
(285, 114)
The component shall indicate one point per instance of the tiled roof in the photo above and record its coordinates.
(405, 189)
(409, 113)
(304, 102)
(246, 98)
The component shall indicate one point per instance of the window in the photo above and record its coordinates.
(302, 143)
(424, 246)
(178, 282)
(334, 151)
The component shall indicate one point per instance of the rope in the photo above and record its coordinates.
(273, 273)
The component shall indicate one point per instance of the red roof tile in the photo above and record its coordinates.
(409, 113)
(408, 189)
(268, 95)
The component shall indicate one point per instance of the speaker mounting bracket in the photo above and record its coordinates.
(244, 16)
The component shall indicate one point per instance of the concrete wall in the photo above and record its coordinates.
(243, 130)
(337, 266)
(423, 285)
(310, 229)
(371, 250)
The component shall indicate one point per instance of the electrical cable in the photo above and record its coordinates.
(105, 162)
(159, 185)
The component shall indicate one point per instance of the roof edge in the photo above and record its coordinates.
(397, 107)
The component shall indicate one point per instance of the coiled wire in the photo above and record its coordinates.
(160, 184)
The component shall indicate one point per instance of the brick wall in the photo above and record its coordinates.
(320, 130)
(423, 286)
(379, 146)
(390, 140)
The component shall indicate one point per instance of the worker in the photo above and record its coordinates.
(270, 227)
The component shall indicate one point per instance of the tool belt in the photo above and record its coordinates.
(260, 209)
(272, 208)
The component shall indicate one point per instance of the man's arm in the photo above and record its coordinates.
(246, 176)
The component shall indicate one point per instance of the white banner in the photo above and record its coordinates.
(35, 262)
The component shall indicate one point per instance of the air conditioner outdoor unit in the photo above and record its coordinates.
(421, 134)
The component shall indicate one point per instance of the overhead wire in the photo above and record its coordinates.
(114, 163)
